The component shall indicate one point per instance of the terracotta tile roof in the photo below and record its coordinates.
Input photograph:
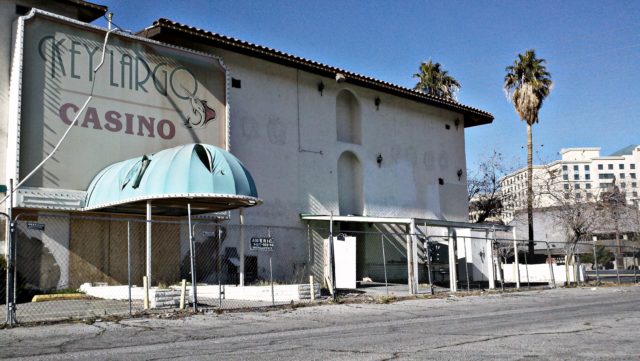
(88, 11)
(173, 32)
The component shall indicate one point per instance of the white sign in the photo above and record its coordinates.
(146, 97)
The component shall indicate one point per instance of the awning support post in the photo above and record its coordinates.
(148, 245)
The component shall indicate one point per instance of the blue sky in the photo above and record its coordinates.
(592, 49)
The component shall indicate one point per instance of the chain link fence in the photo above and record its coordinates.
(74, 267)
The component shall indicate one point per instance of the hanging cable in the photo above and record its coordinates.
(75, 119)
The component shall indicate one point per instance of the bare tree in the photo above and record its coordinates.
(484, 190)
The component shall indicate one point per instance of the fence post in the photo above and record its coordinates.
(595, 259)
(129, 262)
(635, 264)
(553, 277)
(489, 257)
(516, 258)
(526, 267)
(453, 272)
(384, 265)
(192, 255)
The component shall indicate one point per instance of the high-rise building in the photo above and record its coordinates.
(581, 175)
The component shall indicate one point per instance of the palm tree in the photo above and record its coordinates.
(434, 80)
(527, 84)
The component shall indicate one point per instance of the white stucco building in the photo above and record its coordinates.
(317, 140)
(581, 174)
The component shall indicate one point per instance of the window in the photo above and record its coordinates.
(578, 195)
(587, 176)
(576, 176)
(576, 186)
(609, 166)
(586, 168)
(632, 175)
(566, 186)
(565, 176)
(600, 167)
(635, 194)
(621, 166)
(564, 167)
(621, 175)
(606, 176)
(604, 185)
(623, 185)
(634, 184)
(632, 166)
(566, 196)
(575, 168)
(588, 195)
(588, 185)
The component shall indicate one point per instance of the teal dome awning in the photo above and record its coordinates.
(205, 176)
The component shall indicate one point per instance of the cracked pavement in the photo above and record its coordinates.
(561, 324)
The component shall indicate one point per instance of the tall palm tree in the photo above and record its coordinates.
(527, 84)
(434, 80)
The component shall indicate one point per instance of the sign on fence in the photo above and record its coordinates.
(262, 244)
(36, 226)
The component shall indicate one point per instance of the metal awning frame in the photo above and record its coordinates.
(412, 242)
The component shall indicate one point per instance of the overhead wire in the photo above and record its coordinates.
(75, 119)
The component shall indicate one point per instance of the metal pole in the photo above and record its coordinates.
(241, 247)
(489, 257)
(384, 265)
(192, 255)
(426, 247)
(495, 241)
(516, 259)
(466, 262)
(595, 259)
(219, 266)
(550, 260)
(331, 258)
(635, 264)
(273, 297)
(10, 262)
(526, 267)
(617, 268)
(148, 244)
(129, 262)
(453, 272)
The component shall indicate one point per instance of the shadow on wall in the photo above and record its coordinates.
(36, 266)
(208, 259)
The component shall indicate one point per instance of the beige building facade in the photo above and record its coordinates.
(318, 140)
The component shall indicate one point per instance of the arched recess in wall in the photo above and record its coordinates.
(348, 123)
(350, 185)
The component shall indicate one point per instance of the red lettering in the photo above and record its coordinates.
(113, 121)
(129, 118)
(147, 124)
(91, 116)
(168, 133)
(63, 112)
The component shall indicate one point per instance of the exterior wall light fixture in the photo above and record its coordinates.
(459, 173)
(340, 78)
(320, 87)
(457, 123)
(377, 101)
(379, 160)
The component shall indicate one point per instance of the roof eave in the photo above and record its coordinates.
(165, 33)
(88, 11)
